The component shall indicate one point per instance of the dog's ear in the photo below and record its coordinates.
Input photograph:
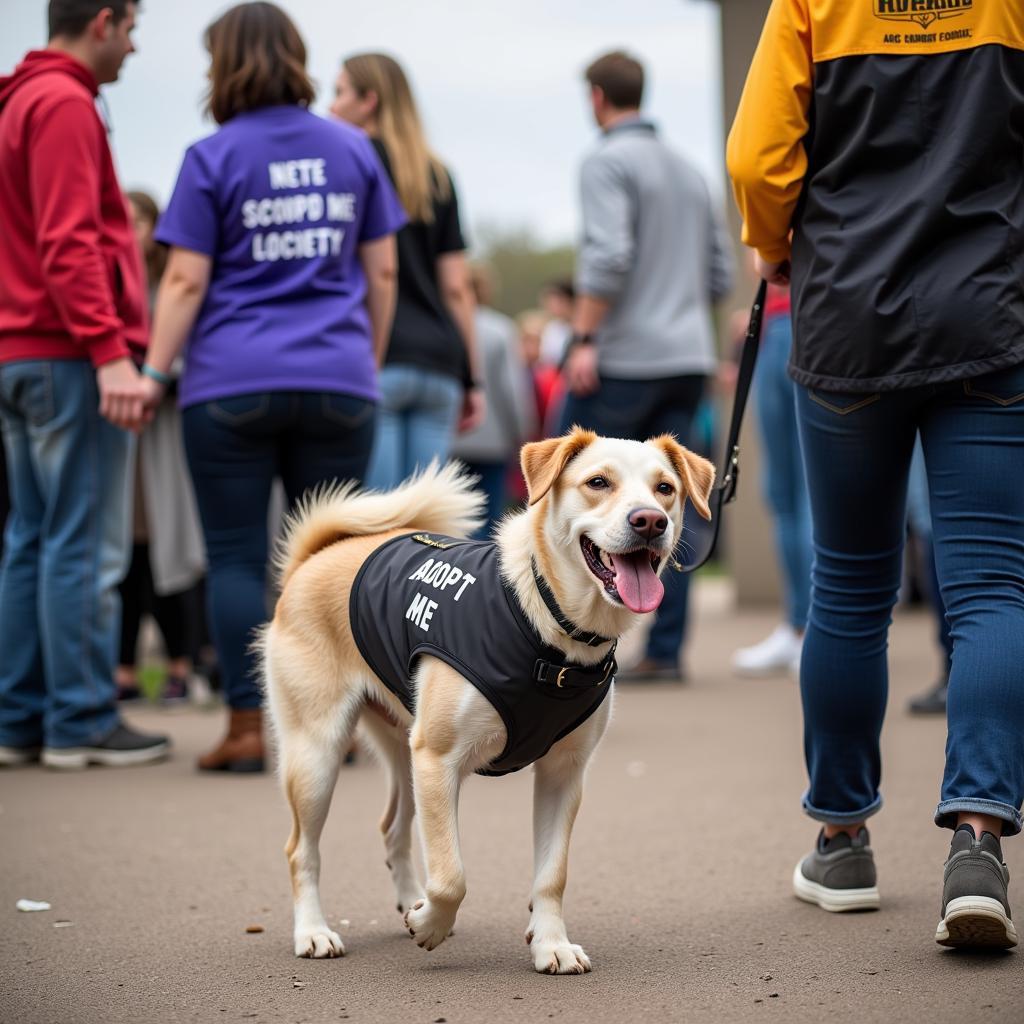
(697, 474)
(543, 461)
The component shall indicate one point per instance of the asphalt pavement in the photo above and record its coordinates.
(679, 884)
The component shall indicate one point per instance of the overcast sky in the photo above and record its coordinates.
(499, 83)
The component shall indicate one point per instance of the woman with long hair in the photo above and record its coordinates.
(281, 280)
(430, 384)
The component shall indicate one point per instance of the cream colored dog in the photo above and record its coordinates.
(586, 496)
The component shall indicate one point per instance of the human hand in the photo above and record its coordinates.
(474, 405)
(121, 394)
(580, 369)
(152, 395)
(773, 273)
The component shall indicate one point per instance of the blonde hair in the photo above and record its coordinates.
(419, 175)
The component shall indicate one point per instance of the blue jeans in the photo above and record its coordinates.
(785, 489)
(235, 449)
(66, 549)
(637, 410)
(492, 483)
(919, 517)
(857, 449)
(416, 422)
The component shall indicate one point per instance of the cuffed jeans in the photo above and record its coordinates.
(637, 410)
(419, 410)
(783, 473)
(857, 450)
(235, 449)
(66, 548)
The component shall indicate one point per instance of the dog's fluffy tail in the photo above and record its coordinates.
(437, 500)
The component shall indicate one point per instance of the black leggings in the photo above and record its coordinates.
(173, 612)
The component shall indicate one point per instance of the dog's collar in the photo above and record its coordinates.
(570, 628)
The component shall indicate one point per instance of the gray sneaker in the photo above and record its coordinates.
(839, 874)
(121, 748)
(975, 905)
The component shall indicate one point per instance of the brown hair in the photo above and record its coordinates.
(70, 18)
(419, 175)
(155, 257)
(620, 77)
(257, 59)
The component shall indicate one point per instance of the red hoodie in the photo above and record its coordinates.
(71, 277)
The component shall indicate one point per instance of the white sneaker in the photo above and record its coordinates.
(777, 654)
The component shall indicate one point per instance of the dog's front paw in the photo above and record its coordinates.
(429, 923)
(318, 943)
(558, 957)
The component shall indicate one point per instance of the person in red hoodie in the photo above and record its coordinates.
(72, 310)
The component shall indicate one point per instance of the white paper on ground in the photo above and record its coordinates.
(29, 905)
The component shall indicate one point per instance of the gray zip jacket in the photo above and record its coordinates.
(655, 246)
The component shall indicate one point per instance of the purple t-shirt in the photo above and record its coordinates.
(281, 200)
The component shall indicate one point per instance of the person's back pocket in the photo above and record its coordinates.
(1002, 387)
(842, 403)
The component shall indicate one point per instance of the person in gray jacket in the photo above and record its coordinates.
(653, 259)
(511, 413)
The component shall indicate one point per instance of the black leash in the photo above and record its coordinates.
(725, 489)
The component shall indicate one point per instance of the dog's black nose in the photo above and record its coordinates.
(648, 522)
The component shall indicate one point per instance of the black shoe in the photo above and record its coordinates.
(933, 702)
(839, 874)
(13, 757)
(651, 671)
(175, 691)
(121, 748)
(975, 904)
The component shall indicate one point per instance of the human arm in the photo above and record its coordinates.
(178, 301)
(64, 168)
(64, 176)
(604, 262)
(379, 259)
(766, 157)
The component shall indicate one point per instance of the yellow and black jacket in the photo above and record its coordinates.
(879, 145)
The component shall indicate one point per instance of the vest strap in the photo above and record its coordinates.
(569, 627)
(575, 676)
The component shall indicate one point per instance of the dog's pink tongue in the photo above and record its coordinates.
(636, 582)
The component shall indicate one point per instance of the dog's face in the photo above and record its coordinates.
(615, 508)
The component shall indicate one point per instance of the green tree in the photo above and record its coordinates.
(523, 265)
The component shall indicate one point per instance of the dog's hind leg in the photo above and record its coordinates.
(557, 792)
(391, 740)
(309, 769)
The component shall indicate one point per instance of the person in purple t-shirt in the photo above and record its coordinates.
(281, 280)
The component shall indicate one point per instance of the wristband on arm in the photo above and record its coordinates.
(158, 375)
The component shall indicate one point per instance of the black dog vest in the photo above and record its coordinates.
(429, 594)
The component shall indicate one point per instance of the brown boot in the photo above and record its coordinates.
(241, 750)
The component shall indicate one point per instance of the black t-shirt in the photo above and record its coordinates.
(424, 333)
(429, 594)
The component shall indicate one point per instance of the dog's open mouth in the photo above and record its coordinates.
(629, 576)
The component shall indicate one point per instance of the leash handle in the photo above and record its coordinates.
(728, 476)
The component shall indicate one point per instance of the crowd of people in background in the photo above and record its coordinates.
(313, 318)
(303, 313)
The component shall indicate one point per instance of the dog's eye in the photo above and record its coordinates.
(664, 488)
(598, 483)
